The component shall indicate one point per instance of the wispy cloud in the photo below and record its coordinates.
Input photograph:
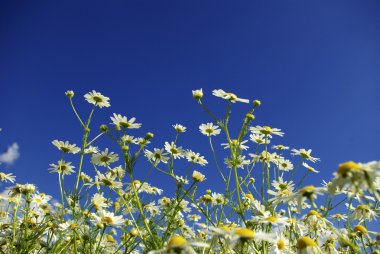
(11, 155)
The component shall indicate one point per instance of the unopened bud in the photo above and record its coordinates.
(103, 128)
(256, 103)
(250, 117)
(69, 94)
(198, 94)
(148, 136)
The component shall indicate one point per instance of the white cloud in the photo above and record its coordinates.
(11, 154)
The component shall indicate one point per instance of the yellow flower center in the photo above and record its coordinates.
(232, 96)
(307, 189)
(250, 196)
(110, 239)
(305, 242)
(348, 166)
(314, 213)
(244, 233)
(362, 207)
(281, 244)
(266, 130)
(360, 229)
(107, 220)
(176, 241)
(136, 182)
(271, 219)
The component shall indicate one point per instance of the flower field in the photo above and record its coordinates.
(265, 206)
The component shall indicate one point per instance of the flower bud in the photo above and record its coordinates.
(69, 94)
(148, 136)
(104, 128)
(256, 103)
(198, 94)
(250, 117)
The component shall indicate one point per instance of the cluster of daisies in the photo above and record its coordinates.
(259, 201)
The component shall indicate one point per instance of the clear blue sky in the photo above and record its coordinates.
(315, 65)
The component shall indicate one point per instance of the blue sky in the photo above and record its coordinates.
(313, 64)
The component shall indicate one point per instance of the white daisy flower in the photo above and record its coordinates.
(228, 96)
(97, 99)
(306, 245)
(65, 168)
(280, 147)
(176, 152)
(107, 218)
(195, 158)
(285, 165)
(7, 177)
(266, 130)
(157, 156)
(66, 147)
(91, 150)
(119, 120)
(305, 154)
(259, 139)
(235, 144)
(198, 176)
(40, 198)
(179, 127)
(109, 180)
(99, 201)
(104, 158)
(209, 129)
(281, 246)
(310, 168)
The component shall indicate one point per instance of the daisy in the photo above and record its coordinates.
(238, 162)
(40, 198)
(360, 175)
(176, 152)
(280, 147)
(119, 120)
(195, 158)
(178, 244)
(91, 150)
(218, 199)
(152, 209)
(209, 129)
(235, 144)
(157, 156)
(67, 225)
(281, 245)
(266, 130)
(129, 139)
(338, 217)
(99, 201)
(198, 176)
(306, 245)
(107, 218)
(228, 96)
(7, 177)
(109, 180)
(305, 154)
(285, 165)
(242, 235)
(259, 139)
(181, 180)
(66, 147)
(310, 168)
(363, 213)
(64, 168)
(104, 158)
(97, 99)
(179, 128)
